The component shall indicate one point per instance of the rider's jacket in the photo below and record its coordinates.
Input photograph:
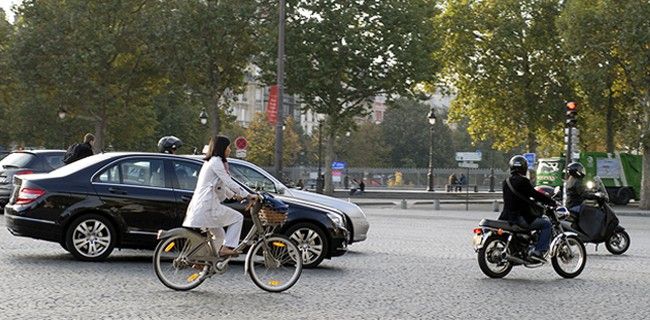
(515, 207)
(576, 193)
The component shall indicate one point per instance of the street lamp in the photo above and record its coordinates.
(62, 113)
(432, 121)
(203, 117)
(319, 180)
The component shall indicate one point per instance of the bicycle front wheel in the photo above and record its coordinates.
(172, 266)
(275, 263)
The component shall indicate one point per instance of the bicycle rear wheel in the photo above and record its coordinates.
(276, 266)
(172, 267)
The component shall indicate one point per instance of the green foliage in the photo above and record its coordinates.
(504, 59)
(363, 147)
(261, 142)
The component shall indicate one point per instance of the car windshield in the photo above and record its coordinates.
(17, 160)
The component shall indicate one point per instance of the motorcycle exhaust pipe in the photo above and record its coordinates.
(520, 261)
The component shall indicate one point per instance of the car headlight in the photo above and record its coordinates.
(336, 218)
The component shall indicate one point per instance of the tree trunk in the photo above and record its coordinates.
(532, 142)
(100, 134)
(645, 180)
(609, 123)
(215, 121)
(329, 157)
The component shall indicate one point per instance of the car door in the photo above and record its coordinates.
(184, 177)
(139, 190)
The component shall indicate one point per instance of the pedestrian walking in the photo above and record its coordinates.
(78, 151)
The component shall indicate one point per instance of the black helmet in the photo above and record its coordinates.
(576, 169)
(518, 164)
(169, 144)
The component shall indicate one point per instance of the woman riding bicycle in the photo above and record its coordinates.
(215, 185)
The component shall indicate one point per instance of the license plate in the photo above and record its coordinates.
(476, 241)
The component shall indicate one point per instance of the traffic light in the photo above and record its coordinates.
(571, 114)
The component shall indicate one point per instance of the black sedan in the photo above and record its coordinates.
(26, 162)
(121, 200)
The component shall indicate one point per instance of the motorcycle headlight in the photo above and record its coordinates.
(561, 213)
(337, 219)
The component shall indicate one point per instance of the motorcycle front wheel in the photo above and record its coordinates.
(490, 258)
(618, 243)
(570, 257)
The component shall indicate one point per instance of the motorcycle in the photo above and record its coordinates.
(501, 245)
(591, 229)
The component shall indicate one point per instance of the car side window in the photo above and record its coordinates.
(187, 174)
(135, 172)
(54, 161)
(252, 178)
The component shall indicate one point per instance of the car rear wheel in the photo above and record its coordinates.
(90, 237)
(311, 241)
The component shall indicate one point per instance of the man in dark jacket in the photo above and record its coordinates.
(519, 211)
(80, 150)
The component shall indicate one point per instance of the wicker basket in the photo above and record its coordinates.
(272, 217)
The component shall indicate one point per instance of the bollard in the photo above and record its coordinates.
(436, 204)
(495, 206)
(403, 204)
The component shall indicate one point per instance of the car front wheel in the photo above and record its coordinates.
(311, 241)
(90, 237)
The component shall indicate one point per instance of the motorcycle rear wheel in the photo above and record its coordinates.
(570, 257)
(618, 243)
(490, 260)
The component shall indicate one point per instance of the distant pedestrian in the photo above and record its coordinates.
(362, 186)
(452, 181)
(346, 182)
(354, 185)
(462, 181)
(300, 185)
(80, 150)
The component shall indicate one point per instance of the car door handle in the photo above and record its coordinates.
(116, 191)
(186, 198)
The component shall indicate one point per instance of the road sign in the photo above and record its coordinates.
(241, 143)
(468, 164)
(468, 156)
(338, 165)
(530, 158)
(240, 153)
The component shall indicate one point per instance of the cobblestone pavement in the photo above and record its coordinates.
(416, 264)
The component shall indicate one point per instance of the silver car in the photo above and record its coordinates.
(257, 178)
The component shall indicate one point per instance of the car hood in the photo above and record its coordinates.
(350, 209)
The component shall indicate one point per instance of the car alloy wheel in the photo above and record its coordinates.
(311, 241)
(90, 238)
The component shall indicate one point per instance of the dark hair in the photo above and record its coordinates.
(217, 148)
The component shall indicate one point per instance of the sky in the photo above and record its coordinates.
(6, 5)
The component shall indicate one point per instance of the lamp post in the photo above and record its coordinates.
(62, 113)
(432, 121)
(319, 179)
(203, 117)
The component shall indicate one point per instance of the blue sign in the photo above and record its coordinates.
(338, 165)
(530, 158)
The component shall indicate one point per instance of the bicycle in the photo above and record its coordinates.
(185, 257)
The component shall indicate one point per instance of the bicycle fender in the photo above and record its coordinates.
(556, 241)
(163, 234)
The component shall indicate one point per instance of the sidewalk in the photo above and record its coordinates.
(489, 204)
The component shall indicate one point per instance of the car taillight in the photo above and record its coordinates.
(478, 231)
(24, 172)
(29, 195)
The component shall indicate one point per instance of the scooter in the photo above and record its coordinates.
(616, 239)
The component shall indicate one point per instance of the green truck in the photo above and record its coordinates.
(620, 172)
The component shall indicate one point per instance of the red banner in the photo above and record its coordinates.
(272, 106)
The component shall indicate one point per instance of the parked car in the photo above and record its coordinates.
(26, 162)
(121, 200)
(259, 179)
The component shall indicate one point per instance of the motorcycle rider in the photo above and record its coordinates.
(518, 211)
(576, 192)
(169, 144)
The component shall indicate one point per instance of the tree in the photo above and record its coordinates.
(505, 61)
(91, 58)
(363, 147)
(261, 142)
(617, 32)
(405, 131)
(341, 54)
(7, 84)
(207, 49)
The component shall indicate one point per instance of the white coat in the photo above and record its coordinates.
(214, 185)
